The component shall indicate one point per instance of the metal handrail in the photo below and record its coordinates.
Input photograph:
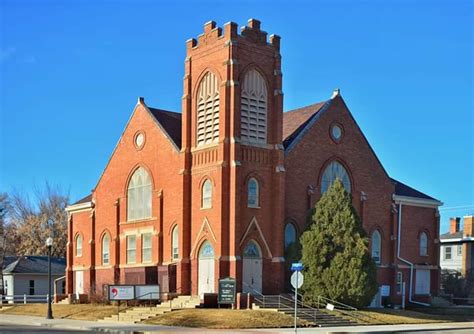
(331, 301)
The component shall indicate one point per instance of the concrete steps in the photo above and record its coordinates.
(138, 314)
(318, 317)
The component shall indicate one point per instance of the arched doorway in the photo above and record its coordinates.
(206, 269)
(252, 268)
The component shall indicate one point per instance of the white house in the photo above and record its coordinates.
(28, 275)
(456, 251)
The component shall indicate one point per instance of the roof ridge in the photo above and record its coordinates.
(307, 106)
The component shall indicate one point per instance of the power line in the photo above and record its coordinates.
(461, 207)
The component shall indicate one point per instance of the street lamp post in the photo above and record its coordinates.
(49, 244)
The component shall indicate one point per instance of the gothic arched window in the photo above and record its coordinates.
(175, 243)
(206, 195)
(423, 244)
(332, 172)
(139, 195)
(290, 234)
(208, 110)
(376, 246)
(253, 193)
(253, 108)
(105, 249)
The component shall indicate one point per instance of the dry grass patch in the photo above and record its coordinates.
(223, 319)
(75, 311)
(396, 317)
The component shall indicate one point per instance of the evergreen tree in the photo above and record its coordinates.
(335, 252)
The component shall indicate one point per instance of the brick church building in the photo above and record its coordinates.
(223, 187)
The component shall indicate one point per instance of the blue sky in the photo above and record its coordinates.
(71, 72)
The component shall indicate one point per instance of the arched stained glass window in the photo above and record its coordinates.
(252, 250)
(253, 114)
(423, 244)
(139, 195)
(335, 170)
(253, 193)
(376, 246)
(206, 197)
(206, 251)
(208, 110)
(105, 249)
(290, 234)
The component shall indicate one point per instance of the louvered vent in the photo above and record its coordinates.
(253, 115)
(208, 110)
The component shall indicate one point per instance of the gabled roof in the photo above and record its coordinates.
(171, 123)
(402, 189)
(86, 199)
(33, 265)
(294, 121)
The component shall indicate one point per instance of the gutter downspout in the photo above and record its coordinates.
(404, 260)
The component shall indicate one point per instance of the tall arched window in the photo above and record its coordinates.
(376, 246)
(105, 249)
(335, 170)
(175, 243)
(253, 193)
(423, 244)
(206, 196)
(208, 110)
(290, 234)
(79, 245)
(253, 104)
(139, 195)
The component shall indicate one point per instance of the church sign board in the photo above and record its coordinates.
(227, 289)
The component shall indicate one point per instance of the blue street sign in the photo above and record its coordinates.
(296, 266)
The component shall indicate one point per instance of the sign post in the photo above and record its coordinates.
(296, 282)
(227, 289)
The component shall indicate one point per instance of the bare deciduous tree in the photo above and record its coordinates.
(32, 222)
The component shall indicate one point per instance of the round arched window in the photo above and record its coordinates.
(335, 170)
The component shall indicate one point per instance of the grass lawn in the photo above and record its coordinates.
(395, 317)
(75, 311)
(223, 319)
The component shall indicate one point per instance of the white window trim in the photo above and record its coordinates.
(131, 249)
(147, 248)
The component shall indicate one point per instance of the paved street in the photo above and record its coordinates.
(29, 324)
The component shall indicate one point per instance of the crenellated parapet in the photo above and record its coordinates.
(251, 33)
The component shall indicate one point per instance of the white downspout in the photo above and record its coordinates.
(399, 239)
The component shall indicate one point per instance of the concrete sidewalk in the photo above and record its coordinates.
(126, 328)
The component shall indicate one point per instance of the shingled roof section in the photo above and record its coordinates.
(402, 189)
(33, 265)
(86, 199)
(295, 120)
(171, 122)
(449, 235)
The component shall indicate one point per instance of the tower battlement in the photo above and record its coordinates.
(251, 32)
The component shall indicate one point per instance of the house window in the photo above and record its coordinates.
(146, 247)
(139, 195)
(290, 234)
(459, 250)
(423, 244)
(79, 245)
(106, 249)
(253, 193)
(399, 283)
(131, 249)
(253, 108)
(376, 246)
(206, 201)
(175, 243)
(447, 253)
(208, 110)
(332, 172)
(31, 291)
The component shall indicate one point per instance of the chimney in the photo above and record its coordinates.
(454, 224)
(468, 226)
